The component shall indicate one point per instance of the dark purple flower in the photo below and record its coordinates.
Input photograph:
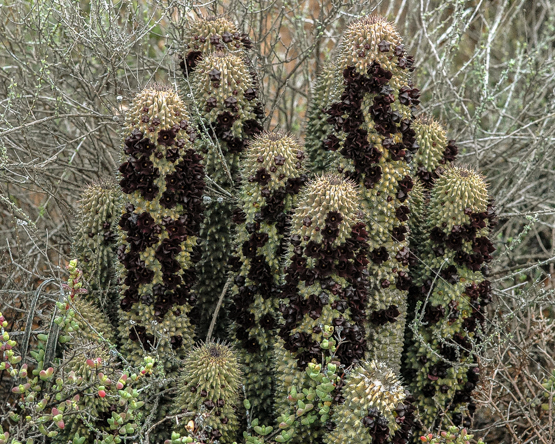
(172, 154)
(231, 103)
(192, 59)
(145, 147)
(262, 177)
(331, 143)
(437, 236)
(398, 233)
(478, 220)
(215, 75)
(145, 223)
(405, 186)
(166, 137)
(168, 199)
(379, 255)
(246, 41)
(403, 281)
(175, 228)
(373, 176)
(383, 46)
(454, 241)
(131, 141)
(144, 166)
(171, 280)
(450, 274)
(333, 219)
(329, 233)
(225, 120)
(252, 127)
(267, 322)
(402, 213)
(250, 94)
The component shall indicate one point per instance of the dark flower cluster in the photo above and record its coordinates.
(142, 232)
(450, 153)
(482, 247)
(138, 333)
(382, 317)
(438, 371)
(428, 177)
(347, 116)
(185, 186)
(190, 62)
(377, 425)
(433, 314)
(406, 420)
(242, 301)
(404, 61)
(273, 210)
(222, 128)
(349, 261)
(139, 175)
(409, 96)
(259, 271)
(479, 295)
(463, 396)
(138, 171)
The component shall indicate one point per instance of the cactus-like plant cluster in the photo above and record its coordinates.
(314, 273)
(209, 389)
(163, 182)
(95, 244)
(450, 297)
(273, 174)
(372, 131)
(223, 89)
(207, 35)
(325, 280)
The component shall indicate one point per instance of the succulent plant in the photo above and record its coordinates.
(325, 282)
(450, 297)
(327, 90)
(273, 174)
(204, 36)
(163, 182)
(78, 317)
(95, 244)
(435, 152)
(453, 435)
(83, 362)
(208, 387)
(376, 408)
(371, 130)
(224, 89)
